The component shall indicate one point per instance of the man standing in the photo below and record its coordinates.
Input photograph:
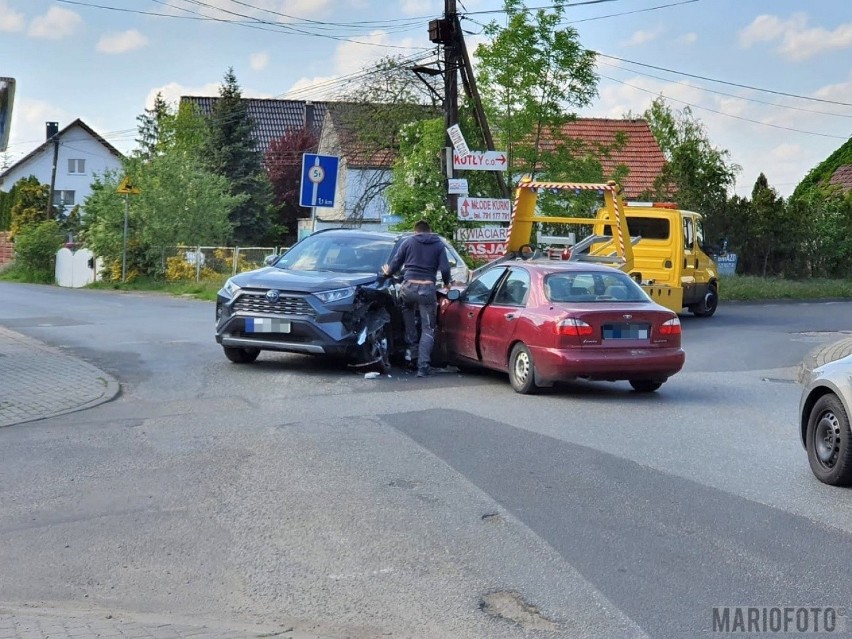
(423, 255)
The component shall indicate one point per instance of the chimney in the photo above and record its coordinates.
(310, 125)
(52, 129)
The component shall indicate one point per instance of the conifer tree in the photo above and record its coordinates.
(231, 151)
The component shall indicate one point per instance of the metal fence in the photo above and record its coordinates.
(213, 262)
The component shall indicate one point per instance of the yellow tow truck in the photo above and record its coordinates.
(659, 245)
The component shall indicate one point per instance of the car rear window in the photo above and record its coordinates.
(592, 286)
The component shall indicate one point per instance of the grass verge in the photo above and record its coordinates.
(204, 290)
(748, 288)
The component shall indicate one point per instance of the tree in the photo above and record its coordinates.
(30, 204)
(231, 151)
(418, 188)
(698, 175)
(368, 122)
(768, 236)
(530, 74)
(150, 128)
(181, 201)
(284, 165)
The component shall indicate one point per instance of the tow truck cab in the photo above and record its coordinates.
(670, 259)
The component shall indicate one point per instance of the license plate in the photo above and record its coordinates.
(626, 331)
(266, 325)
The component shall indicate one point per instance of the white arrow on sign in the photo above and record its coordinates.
(484, 209)
(481, 161)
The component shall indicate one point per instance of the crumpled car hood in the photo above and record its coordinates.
(300, 281)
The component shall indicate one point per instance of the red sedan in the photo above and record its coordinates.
(544, 322)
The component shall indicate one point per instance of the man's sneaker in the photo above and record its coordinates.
(424, 371)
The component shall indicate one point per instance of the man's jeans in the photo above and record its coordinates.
(420, 298)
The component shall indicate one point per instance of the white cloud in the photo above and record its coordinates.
(28, 125)
(796, 40)
(10, 20)
(122, 42)
(351, 57)
(258, 61)
(317, 88)
(56, 24)
(786, 151)
(766, 28)
(173, 91)
(687, 39)
(643, 36)
(839, 92)
(421, 7)
(273, 10)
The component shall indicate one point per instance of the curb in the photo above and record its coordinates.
(46, 382)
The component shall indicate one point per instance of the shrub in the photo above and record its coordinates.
(35, 250)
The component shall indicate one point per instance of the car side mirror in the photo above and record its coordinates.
(453, 294)
(269, 260)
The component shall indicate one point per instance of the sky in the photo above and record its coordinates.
(771, 80)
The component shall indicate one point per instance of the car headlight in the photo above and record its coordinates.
(230, 288)
(335, 295)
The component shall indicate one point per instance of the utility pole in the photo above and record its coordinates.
(472, 92)
(446, 32)
(55, 139)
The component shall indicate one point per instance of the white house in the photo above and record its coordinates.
(80, 153)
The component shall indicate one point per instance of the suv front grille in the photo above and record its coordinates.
(255, 302)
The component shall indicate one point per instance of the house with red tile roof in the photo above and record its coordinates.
(623, 147)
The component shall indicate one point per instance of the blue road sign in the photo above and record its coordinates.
(319, 180)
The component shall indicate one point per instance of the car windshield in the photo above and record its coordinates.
(593, 286)
(337, 253)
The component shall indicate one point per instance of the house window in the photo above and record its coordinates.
(63, 198)
(76, 166)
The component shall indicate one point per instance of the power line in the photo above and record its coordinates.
(627, 13)
(733, 84)
(727, 115)
(367, 24)
(553, 6)
(732, 95)
(252, 23)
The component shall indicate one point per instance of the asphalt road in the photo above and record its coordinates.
(294, 492)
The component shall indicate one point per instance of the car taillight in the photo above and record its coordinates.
(671, 327)
(573, 327)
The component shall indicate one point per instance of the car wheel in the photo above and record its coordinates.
(828, 442)
(645, 385)
(241, 355)
(522, 370)
(707, 306)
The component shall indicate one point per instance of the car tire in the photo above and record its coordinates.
(707, 306)
(829, 442)
(522, 370)
(645, 385)
(241, 355)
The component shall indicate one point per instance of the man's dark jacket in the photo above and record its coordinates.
(423, 255)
